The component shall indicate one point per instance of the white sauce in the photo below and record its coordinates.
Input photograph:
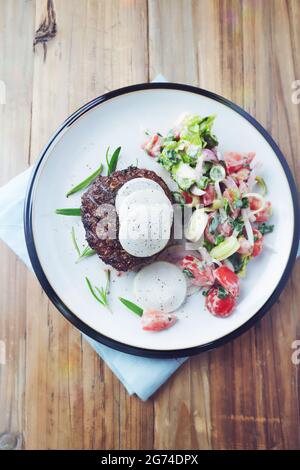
(136, 184)
(160, 286)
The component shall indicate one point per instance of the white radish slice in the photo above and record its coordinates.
(136, 184)
(160, 286)
(145, 231)
(148, 199)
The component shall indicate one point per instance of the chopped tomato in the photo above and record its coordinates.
(245, 246)
(227, 279)
(261, 216)
(199, 272)
(258, 243)
(209, 196)
(232, 195)
(153, 145)
(187, 197)
(225, 229)
(219, 306)
(241, 175)
(251, 250)
(154, 320)
(236, 161)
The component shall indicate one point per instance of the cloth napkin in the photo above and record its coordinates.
(140, 376)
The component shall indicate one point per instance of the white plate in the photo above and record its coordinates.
(120, 118)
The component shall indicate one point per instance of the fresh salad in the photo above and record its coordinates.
(231, 212)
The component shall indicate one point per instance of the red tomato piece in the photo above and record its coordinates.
(227, 279)
(153, 145)
(258, 244)
(200, 273)
(154, 320)
(220, 307)
(245, 247)
(235, 161)
(209, 196)
(265, 214)
(187, 197)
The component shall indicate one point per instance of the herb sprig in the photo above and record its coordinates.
(133, 307)
(86, 182)
(113, 161)
(85, 253)
(71, 211)
(102, 293)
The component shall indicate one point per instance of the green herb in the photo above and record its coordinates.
(213, 224)
(205, 292)
(261, 183)
(113, 161)
(241, 203)
(238, 204)
(133, 307)
(188, 273)
(208, 245)
(102, 293)
(207, 167)
(226, 205)
(178, 197)
(238, 225)
(69, 211)
(255, 238)
(236, 261)
(219, 239)
(86, 252)
(222, 293)
(203, 182)
(85, 183)
(265, 228)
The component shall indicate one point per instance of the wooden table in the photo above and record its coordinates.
(55, 392)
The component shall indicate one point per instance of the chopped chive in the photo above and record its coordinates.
(69, 211)
(113, 161)
(133, 307)
(85, 183)
(75, 241)
(103, 292)
(86, 252)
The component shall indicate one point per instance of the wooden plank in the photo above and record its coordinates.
(245, 394)
(16, 28)
(72, 399)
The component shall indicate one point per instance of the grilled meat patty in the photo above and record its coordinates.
(100, 221)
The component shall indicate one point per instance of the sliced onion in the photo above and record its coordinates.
(197, 191)
(205, 255)
(257, 196)
(249, 231)
(199, 168)
(209, 156)
(251, 180)
(230, 183)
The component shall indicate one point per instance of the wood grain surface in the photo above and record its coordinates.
(55, 392)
